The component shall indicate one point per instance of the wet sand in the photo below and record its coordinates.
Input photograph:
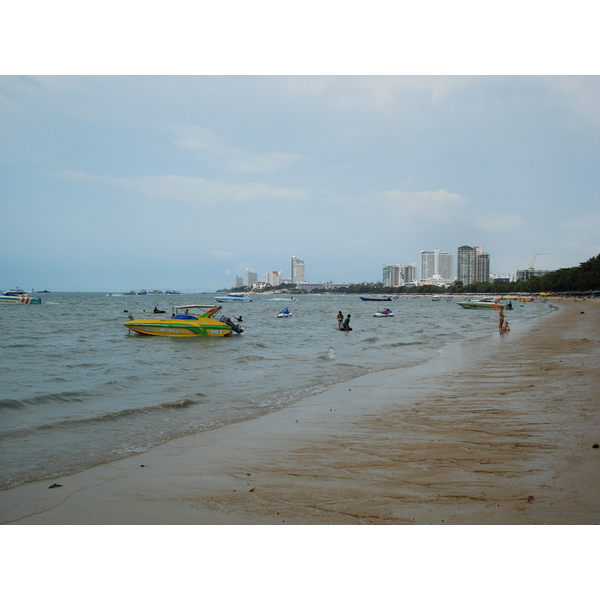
(496, 431)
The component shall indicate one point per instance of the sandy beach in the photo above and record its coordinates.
(496, 431)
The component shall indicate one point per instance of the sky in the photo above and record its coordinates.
(113, 182)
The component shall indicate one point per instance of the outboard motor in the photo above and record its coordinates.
(231, 324)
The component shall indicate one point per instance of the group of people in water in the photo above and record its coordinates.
(343, 324)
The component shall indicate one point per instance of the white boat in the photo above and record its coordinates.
(18, 297)
(285, 312)
(386, 312)
(234, 297)
(486, 303)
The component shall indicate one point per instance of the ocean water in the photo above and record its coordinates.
(78, 389)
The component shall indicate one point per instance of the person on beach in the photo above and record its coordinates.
(346, 324)
(500, 319)
(505, 327)
(340, 319)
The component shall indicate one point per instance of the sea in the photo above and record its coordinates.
(78, 389)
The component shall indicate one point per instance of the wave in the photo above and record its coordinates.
(86, 422)
(183, 403)
(328, 355)
(251, 358)
(38, 399)
(11, 404)
(172, 389)
(402, 344)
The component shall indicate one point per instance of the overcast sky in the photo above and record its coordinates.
(112, 183)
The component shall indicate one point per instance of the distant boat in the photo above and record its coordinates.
(376, 298)
(18, 297)
(386, 312)
(486, 303)
(234, 297)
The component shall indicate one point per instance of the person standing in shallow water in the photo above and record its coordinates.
(346, 324)
(500, 319)
(340, 319)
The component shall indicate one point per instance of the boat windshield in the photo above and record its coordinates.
(192, 311)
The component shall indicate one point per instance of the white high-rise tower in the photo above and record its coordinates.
(436, 264)
(297, 270)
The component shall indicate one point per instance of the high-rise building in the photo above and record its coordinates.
(297, 270)
(238, 282)
(391, 275)
(399, 275)
(436, 265)
(473, 264)
(482, 266)
(408, 273)
(275, 278)
(465, 264)
(251, 278)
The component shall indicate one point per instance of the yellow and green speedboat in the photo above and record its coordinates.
(184, 323)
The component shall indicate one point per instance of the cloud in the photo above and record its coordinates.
(78, 176)
(239, 160)
(197, 190)
(578, 99)
(431, 206)
(581, 235)
(499, 222)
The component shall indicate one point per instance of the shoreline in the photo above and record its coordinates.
(461, 439)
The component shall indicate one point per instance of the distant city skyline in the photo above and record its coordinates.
(436, 267)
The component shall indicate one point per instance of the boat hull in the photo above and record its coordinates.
(476, 306)
(177, 328)
(19, 300)
(367, 299)
(233, 298)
